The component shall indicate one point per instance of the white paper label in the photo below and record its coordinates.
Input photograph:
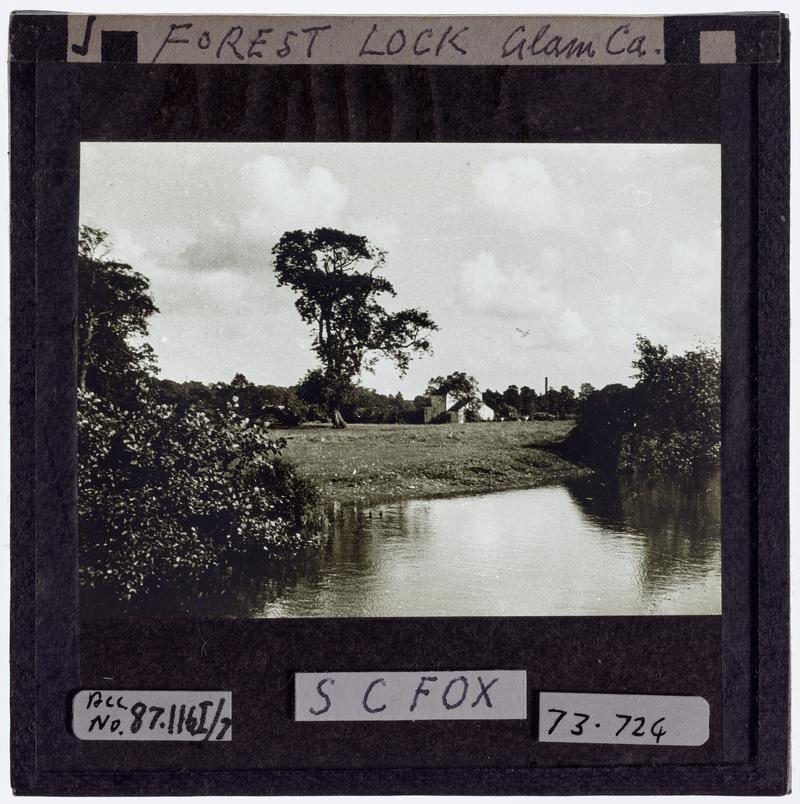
(152, 715)
(576, 717)
(423, 695)
(471, 40)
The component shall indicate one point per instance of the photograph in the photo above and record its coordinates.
(339, 379)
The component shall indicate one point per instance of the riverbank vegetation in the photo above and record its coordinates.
(668, 424)
(165, 492)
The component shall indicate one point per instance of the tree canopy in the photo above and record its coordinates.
(114, 304)
(337, 279)
(678, 425)
(667, 424)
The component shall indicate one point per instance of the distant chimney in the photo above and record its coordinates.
(545, 386)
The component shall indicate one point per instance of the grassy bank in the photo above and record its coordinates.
(384, 462)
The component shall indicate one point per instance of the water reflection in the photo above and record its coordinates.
(585, 547)
(676, 525)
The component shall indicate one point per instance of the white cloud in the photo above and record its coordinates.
(491, 289)
(151, 247)
(620, 247)
(694, 265)
(127, 248)
(529, 306)
(489, 238)
(524, 195)
(621, 241)
(571, 328)
(210, 284)
(522, 191)
(168, 241)
(379, 230)
(549, 260)
(287, 197)
(532, 308)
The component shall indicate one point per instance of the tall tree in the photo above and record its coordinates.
(337, 279)
(114, 304)
(527, 401)
(511, 396)
(567, 400)
(502, 410)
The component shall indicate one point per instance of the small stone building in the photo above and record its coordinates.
(445, 408)
(437, 407)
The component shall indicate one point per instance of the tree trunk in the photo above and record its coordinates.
(337, 420)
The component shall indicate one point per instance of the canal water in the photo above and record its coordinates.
(582, 547)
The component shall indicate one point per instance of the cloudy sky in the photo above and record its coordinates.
(534, 259)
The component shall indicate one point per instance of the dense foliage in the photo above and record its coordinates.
(114, 304)
(351, 328)
(667, 424)
(165, 495)
(167, 489)
(677, 426)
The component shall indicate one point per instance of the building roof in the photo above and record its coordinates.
(458, 404)
(463, 403)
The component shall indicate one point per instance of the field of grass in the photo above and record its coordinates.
(376, 462)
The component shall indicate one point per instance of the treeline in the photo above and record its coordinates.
(291, 406)
(263, 404)
(524, 403)
(284, 406)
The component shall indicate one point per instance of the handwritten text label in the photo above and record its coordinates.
(423, 695)
(578, 717)
(152, 715)
(172, 39)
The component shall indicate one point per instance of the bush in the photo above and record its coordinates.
(604, 418)
(677, 428)
(667, 424)
(165, 495)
